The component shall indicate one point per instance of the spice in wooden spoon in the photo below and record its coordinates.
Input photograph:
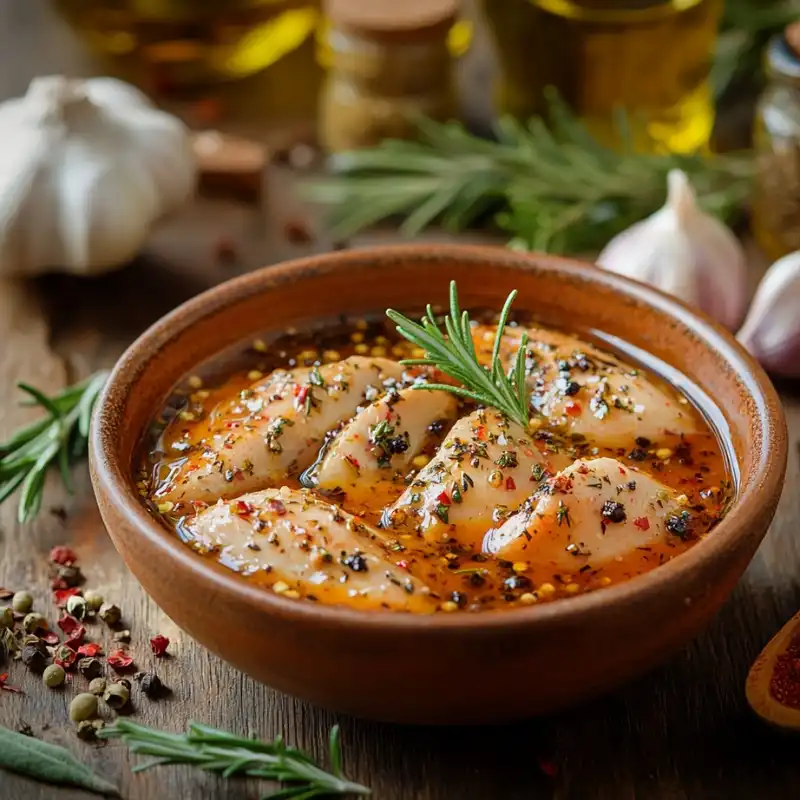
(773, 685)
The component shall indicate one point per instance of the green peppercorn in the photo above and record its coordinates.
(97, 686)
(86, 730)
(76, 606)
(94, 600)
(33, 622)
(117, 695)
(6, 617)
(110, 614)
(53, 676)
(82, 707)
(22, 602)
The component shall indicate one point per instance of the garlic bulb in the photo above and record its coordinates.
(771, 331)
(86, 167)
(685, 252)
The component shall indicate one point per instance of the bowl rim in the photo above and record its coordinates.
(109, 476)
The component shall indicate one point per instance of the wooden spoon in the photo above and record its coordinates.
(773, 685)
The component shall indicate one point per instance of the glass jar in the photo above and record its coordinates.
(650, 57)
(776, 197)
(188, 43)
(389, 63)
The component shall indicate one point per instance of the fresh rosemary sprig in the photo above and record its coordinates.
(59, 438)
(218, 751)
(552, 186)
(455, 356)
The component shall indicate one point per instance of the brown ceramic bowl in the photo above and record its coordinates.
(457, 668)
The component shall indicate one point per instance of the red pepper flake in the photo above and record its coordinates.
(69, 624)
(119, 660)
(276, 507)
(58, 583)
(402, 563)
(75, 638)
(642, 523)
(63, 556)
(159, 645)
(510, 485)
(90, 650)
(622, 471)
(480, 433)
(301, 394)
(583, 469)
(48, 637)
(7, 687)
(572, 408)
(60, 596)
(65, 658)
(444, 499)
(353, 462)
(548, 767)
(243, 509)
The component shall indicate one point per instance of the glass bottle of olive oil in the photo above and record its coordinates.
(187, 43)
(650, 57)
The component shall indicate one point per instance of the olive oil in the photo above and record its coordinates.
(650, 57)
(185, 43)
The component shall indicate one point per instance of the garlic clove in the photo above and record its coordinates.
(771, 331)
(684, 252)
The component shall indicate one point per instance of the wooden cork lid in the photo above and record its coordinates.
(392, 19)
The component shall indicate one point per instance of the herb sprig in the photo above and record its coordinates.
(60, 438)
(551, 185)
(455, 356)
(214, 750)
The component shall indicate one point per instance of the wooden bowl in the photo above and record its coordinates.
(446, 668)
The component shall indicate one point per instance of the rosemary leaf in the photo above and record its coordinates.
(229, 755)
(552, 188)
(49, 763)
(455, 356)
(59, 439)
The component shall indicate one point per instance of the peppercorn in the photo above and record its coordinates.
(86, 730)
(22, 602)
(152, 686)
(53, 676)
(32, 658)
(613, 511)
(6, 617)
(517, 582)
(122, 636)
(34, 641)
(90, 667)
(76, 606)
(97, 686)
(83, 707)
(94, 600)
(110, 614)
(70, 575)
(117, 695)
(33, 622)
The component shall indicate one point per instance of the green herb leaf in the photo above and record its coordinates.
(552, 188)
(49, 763)
(229, 755)
(455, 356)
(59, 439)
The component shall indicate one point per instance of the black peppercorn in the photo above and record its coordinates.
(459, 598)
(90, 668)
(152, 686)
(678, 525)
(356, 562)
(33, 659)
(613, 511)
(517, 582)
(643, 441)
(637, 454)
(572, 388)
(70, 575)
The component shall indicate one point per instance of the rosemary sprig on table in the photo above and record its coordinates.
(455, 356)
(60, 438)
(552, 186)
(218, 751)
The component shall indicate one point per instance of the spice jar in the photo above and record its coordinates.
(650, 57)
(389, 64)
(776, 197)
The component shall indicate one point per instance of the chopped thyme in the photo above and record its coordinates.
(508, 458)
(274, 433)
(442, 511)
(537, 472)
(562, 514)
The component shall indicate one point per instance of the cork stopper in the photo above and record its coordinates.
(392, 19)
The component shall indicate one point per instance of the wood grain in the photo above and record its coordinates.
(682, 733)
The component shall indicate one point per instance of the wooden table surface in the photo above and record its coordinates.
(683, 731)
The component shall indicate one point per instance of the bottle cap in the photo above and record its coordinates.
(392, 19)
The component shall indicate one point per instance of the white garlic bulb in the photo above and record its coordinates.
(86, 167)
(685, 252)
(771, 331)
